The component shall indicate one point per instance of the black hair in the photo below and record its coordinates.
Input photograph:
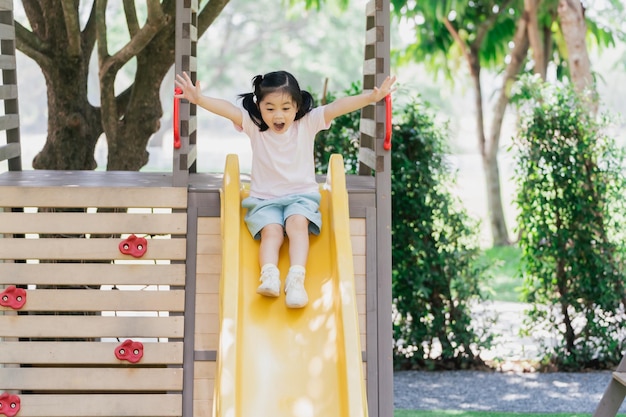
(271, 83)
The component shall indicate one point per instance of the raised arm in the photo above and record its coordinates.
(349, 104)
(193, 93)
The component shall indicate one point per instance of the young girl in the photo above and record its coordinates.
(281, 122)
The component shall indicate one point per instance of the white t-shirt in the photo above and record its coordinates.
(284, 164)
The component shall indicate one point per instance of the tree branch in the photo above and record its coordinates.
(72, 28)
(534, 37)
(101, 29)
(28, 43)
(518, 56)
(90, 33)
(464, 49)
(131, 17)
(34, 14)
(156, 21)
(209, 13)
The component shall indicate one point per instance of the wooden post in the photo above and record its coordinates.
(9, 122)
(373, 157)
(614, 394)
(186, 60)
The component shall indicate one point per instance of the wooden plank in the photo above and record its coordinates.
(75, 196)
(92, 379)
(367, 157)
(91, 274)
(9, 121)
(209, 226)
(86, 353)
(620, 377)
(101, 405)
(368, 127)
(8, 92)
(373, 35)
(87, 249)
(10, 150)
(90, 326)
(105, 223)
(209, 245)
(7, 32)
(97, 300)
(6, 5)
(88, 179)
(7, 62)
(373, 66)
(192, 155)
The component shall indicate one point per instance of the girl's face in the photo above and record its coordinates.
(278, 111)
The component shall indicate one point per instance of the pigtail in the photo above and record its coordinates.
(307, 104)
(249, 102)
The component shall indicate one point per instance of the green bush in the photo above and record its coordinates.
(571, 211)
(434, 242)
(342, 137)
(436, 275)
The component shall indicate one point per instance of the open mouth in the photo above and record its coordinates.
(279, 126)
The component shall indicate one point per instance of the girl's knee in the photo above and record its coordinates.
(272, 232)
(297, 224)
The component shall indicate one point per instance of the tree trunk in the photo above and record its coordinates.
(574, 30)
(73, 124)
(534, 37)
(489, 156)
(142, 112)
(63, 51)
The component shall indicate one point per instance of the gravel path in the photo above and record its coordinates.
(502, 391)
(497, 391)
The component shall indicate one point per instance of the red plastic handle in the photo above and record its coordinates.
(387, 143)
(177, 90)
(9, 404)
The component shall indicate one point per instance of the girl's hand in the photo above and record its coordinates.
(190, 92)
(386, 88)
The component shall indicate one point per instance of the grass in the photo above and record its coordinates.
(505, 284)
(414, 413)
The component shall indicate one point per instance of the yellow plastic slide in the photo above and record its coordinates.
(274, 361)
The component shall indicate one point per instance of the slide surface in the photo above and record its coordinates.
(274, 361)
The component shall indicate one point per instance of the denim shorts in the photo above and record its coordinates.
(277, 210)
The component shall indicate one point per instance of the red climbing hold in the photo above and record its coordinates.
(13, 297)
(130, 351)
(9, 404)
(134, 246)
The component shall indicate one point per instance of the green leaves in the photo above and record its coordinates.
(571, 216)
(435, 249)
(434, 242)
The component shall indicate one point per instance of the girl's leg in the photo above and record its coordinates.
(297, 227)
(272, 237)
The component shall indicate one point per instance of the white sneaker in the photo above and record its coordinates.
(294, 288)
(270, 282)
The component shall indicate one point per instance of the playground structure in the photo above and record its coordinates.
(132, 293)
(615, 392)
